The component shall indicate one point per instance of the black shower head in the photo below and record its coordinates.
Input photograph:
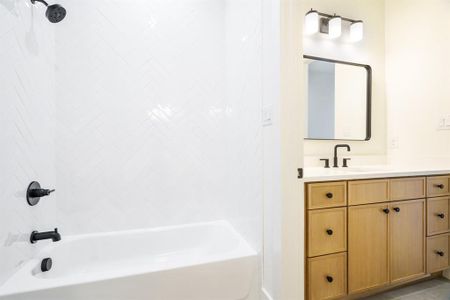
(55, 13)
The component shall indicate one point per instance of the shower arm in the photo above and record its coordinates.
(42, 1)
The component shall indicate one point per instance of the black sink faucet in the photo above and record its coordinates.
(335, 159)
(47, 235)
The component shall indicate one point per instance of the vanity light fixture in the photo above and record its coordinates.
(356, 31)
(312, 22)
(331, 25)
(335, 27)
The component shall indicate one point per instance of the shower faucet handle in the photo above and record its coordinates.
(35, 192)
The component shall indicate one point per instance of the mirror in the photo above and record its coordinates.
(339, 100)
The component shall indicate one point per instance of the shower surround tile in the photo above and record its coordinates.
(27, 119)
(158, 115)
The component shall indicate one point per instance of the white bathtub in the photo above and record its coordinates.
(208, 261)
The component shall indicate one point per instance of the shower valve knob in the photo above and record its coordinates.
(35, 192)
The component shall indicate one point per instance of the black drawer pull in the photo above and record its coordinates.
(386, 210)
(440, 186)
(440, 253)
(329, 231)
(397, 209)
(330, 279)
(329, 195)
(441, 215)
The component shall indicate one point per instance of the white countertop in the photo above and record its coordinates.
(365, 172)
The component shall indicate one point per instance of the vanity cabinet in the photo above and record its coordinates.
(379, 230)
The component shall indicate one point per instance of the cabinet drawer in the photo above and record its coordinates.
(327, 277)
(437, 215)
(327, 231)
(407, 188)
(437, 186)
(437, 253)
(330, 194)
(368, 191)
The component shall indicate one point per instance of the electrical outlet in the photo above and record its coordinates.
(394, 143)
(444, 122)
(441, 123)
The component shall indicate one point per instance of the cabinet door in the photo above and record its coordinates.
(437, 253)
(407, 240)
(437, 215)
(327, 231)
(327, 277)
(367, 247)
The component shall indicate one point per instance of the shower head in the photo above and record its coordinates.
(55, 13)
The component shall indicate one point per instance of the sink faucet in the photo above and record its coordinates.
(47, 235)
(335, 159)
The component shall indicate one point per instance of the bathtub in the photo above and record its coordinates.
(208, 261)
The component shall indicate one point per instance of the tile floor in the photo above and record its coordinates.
(436, 289)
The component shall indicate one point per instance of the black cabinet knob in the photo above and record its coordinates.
(330, 279)
(441, 215)
(397, 209)
(329, 231)
(329, 195)
(386, 210)
(440, 253)
(440, 186)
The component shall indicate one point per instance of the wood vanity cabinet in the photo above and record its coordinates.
(384, 223)
(386, 241)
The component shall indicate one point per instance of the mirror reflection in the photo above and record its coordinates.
(338, 100)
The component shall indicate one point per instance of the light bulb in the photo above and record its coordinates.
(335, 27)
(312, 22)
(356, 31)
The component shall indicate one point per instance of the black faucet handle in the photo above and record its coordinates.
(345, 162)
(40, 192)
(35, 192)
(327, 162)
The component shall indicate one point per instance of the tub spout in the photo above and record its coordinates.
(47, 235)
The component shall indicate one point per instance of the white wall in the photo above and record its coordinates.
(369, 51)
(418, 75)
(26, 129)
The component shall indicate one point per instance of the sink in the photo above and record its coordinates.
(317, 172)
(366, 169)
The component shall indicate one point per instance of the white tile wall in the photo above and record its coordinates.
(158, 114)
(27, 117)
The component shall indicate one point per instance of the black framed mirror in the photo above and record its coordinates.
(339, 100)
